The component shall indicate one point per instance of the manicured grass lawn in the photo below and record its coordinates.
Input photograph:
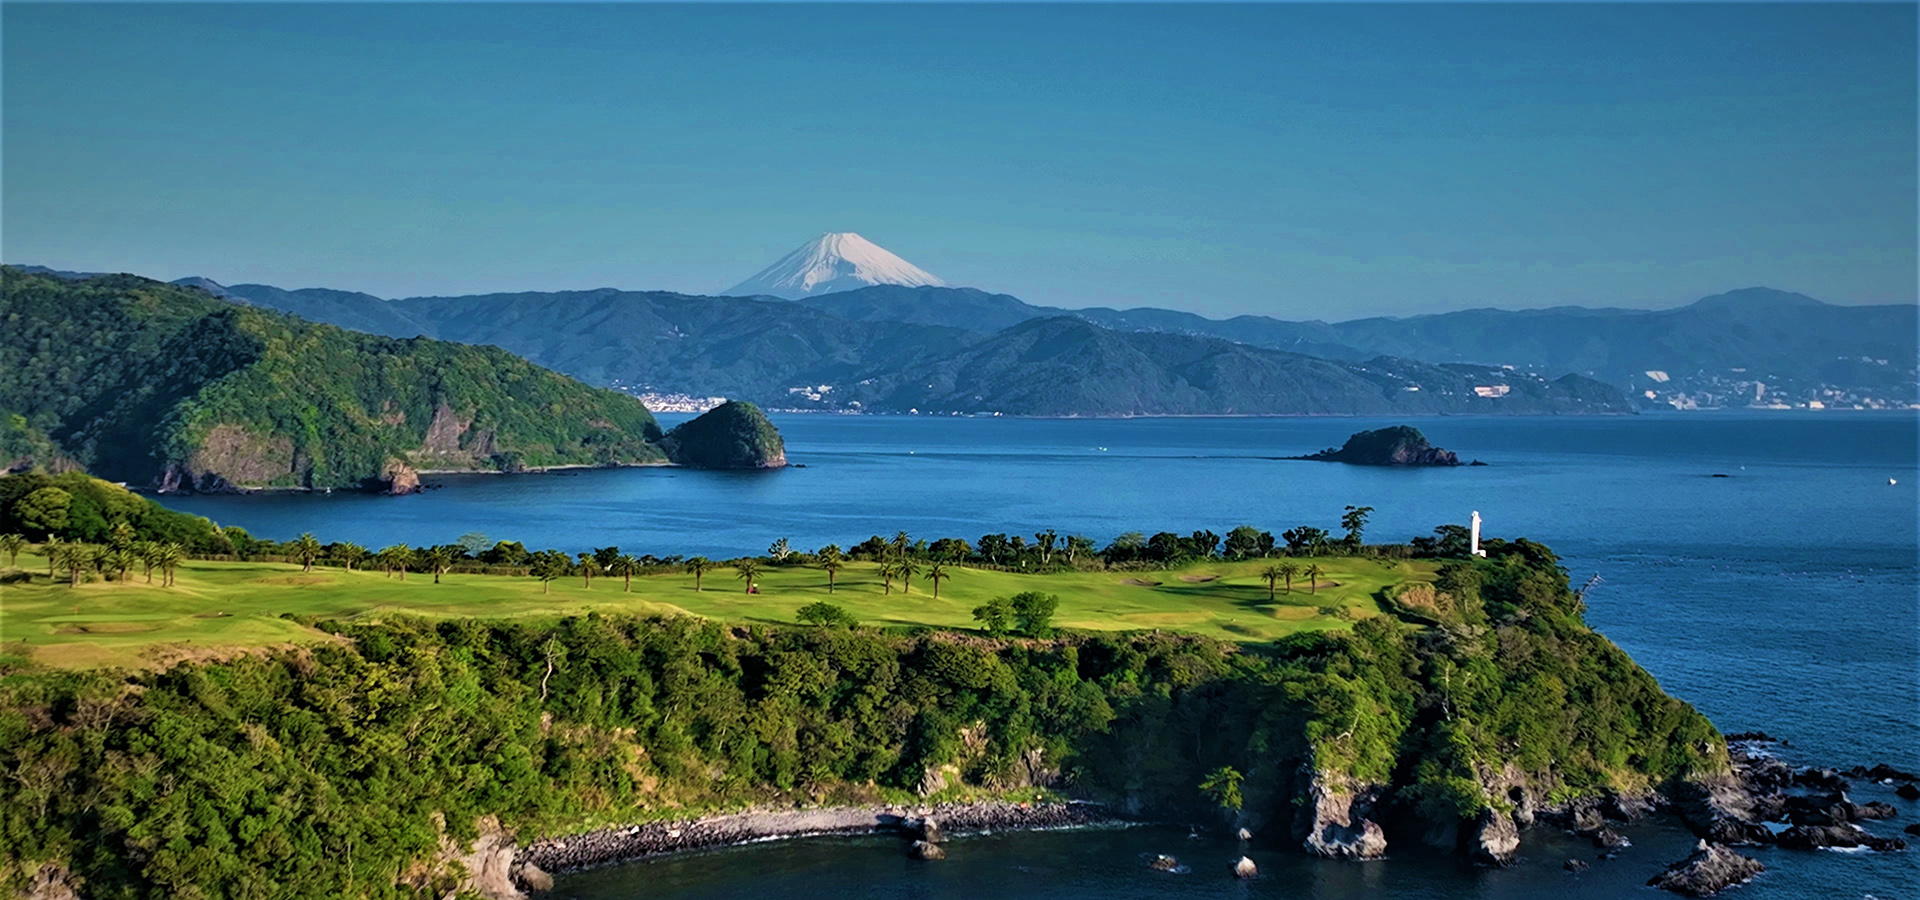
(215, 606)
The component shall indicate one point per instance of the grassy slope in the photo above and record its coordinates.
(135, 623)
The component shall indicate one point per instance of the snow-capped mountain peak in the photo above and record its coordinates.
(838, 261)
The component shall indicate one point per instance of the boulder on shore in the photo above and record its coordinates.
(1711, 869)
(926, 851)
(1399, 445)
(926, 828)
(1609, 839)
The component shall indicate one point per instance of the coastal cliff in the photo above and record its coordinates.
(158, 385)
(490, 734)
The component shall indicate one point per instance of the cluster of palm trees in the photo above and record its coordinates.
(1286, 571)
(123, 552)
(899, 565)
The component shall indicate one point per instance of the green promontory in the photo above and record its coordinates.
(156, 384)
(1398, 445)
(358, 764)
(733, 435)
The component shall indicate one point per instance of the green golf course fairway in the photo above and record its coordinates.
(216, 607)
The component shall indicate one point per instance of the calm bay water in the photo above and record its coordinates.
(1784, 597)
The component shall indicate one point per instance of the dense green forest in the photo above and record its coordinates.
(24, 447)
(151, 383)
(322, 771)
(74, 507)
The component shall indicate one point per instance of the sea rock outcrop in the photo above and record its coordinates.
(1720, 809)
(1711, 869)
(399, 478)
(1495, 838)
(1334, 821)
(1244, 868)
(1398, 445)
(733, 435)
(1845, 837)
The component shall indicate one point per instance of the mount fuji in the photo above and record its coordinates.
(839, 261)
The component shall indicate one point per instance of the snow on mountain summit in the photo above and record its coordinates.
(839, 261)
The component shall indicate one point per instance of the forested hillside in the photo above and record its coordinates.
(895, 349)
(344, 768)
(156, 384)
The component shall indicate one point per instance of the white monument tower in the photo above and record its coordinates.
(1475, 549)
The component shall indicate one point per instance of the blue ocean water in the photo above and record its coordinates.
(1783, 597)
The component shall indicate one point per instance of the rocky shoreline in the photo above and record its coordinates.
(634, 842)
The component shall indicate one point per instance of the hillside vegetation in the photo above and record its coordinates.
(155, 384)
(888, 348)
(344, 767)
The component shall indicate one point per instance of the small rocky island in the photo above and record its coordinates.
(1399, 445)
(733, 435)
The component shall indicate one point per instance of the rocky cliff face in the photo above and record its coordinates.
(1334, 823)
(733, 435)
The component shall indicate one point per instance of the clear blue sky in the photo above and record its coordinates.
(1300, 161)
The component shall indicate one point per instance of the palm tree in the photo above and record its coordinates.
(168, 557)
(439, 559)
(937, 573)
(698, 566)
(588, 563)
(749, 570)
(147, 552)
(1272, 574)
(51, 547)
(306, 548)
(121, 536)
(395, 558)
(1313, 579)
(886, 577)
(901, 541)
(1287, 571)
(11, 544)
(350, 554)
(906, 569)
(119, 562)
(832, 560)
(73, 558)
(624, 566)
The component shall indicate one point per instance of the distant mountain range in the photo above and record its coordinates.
(877, 350)
(1794, 346)
(933, 348)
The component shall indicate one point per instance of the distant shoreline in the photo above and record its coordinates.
(247, 491)
(632, 843)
